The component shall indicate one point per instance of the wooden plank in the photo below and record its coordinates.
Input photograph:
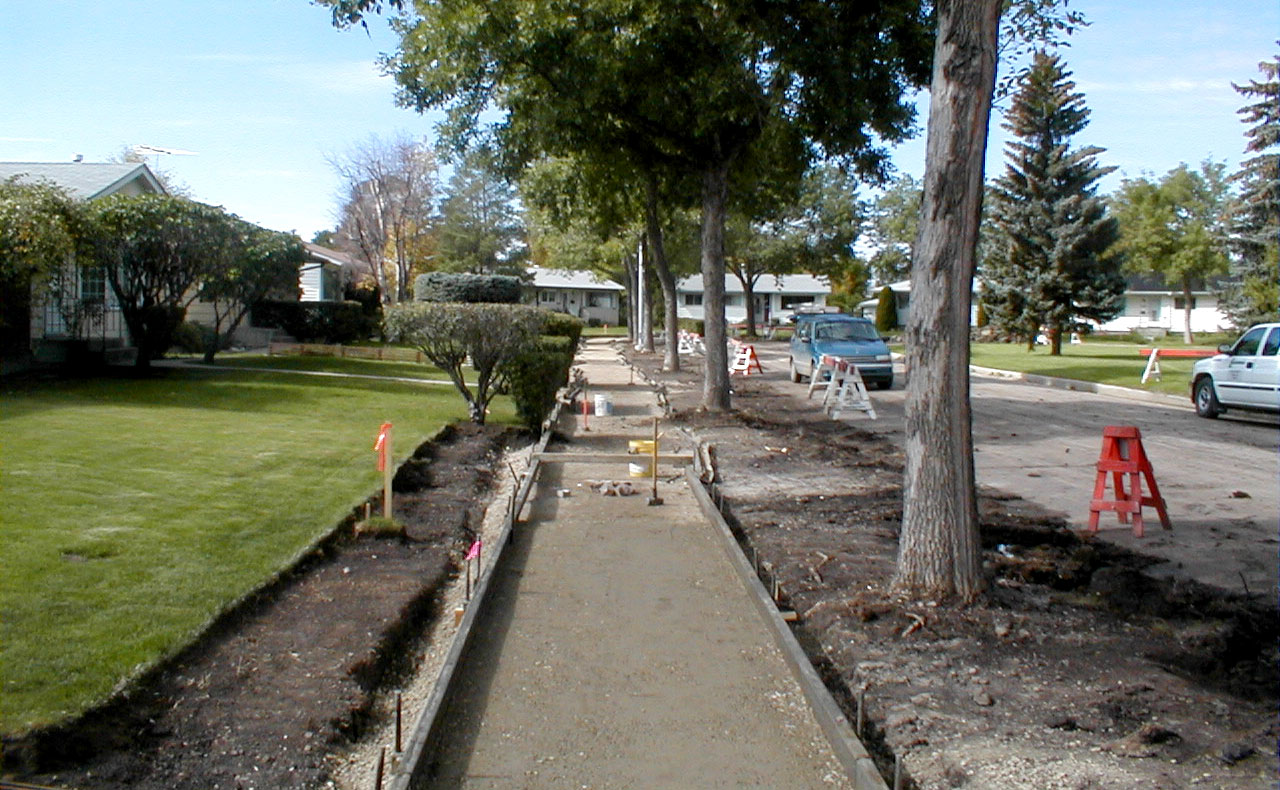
(604, 458)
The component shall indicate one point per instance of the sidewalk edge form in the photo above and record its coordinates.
(835, 725)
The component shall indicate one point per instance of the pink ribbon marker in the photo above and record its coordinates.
(474, 551)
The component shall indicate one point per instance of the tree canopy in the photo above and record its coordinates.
(1176, 227)
(1253, 292)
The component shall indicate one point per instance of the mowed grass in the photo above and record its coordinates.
(1115, 363)
(134, 511)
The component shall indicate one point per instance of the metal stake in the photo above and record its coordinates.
(382, 762)
(399, 713)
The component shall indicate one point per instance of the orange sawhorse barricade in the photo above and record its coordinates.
(1122, 455)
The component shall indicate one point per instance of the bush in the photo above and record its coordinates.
(535, 376)
(189, 338)
(694, 325)
(563, 325)
(886, 311)
(450, 287)
(314, 322)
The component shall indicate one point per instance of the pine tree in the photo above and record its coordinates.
(1253, 292)
(1055, 271)
(886, 311)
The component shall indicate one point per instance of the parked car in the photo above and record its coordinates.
(848, 337)
(1244, 375)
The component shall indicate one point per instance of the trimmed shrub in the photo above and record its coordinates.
(314, 322)
(563, 325)
(694, 325)
(190, 338)
(886, 311)
(536, 374)
(452, 287)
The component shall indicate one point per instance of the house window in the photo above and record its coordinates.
(93, 284)
(546, 296)
(789, 301)
(693, 300)
(593, 300)
(1179, 303)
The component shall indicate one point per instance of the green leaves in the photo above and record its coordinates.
(489, 336)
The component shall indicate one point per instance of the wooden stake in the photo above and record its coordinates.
(399, 713)
(386, 477)
(382, 763)
(655, 499)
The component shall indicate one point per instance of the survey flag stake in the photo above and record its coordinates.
(383, 448)
(474, 551)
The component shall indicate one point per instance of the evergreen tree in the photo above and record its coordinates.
(886, 311)
(1252, 294)
(1056, 271)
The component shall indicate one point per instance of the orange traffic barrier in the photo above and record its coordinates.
(1123, 455)
(1153, 358)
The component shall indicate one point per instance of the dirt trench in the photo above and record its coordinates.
(279, 685)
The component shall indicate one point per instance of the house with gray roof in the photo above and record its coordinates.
(89, 311)
(776, 296)
(581, 294)
(87, 180)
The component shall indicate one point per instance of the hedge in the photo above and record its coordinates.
(315, 322)
(451, 287)
(535, 376)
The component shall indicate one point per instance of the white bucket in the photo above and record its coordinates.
(604, 406)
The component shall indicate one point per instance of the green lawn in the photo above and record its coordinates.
(1103, 362)
(358, 367)
(134, 511)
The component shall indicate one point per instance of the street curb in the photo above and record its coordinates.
(1076, 385)
(852, 755)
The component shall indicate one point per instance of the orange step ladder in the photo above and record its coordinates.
(1122, 455)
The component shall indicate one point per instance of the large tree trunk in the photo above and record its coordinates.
(938, 551)
(715, 382)
(658, 254)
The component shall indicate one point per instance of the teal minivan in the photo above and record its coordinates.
(848, 337)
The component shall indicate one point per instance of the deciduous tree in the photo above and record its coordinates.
(488, 336)
(38, 230)
(938, 547)
(154, 249)
(389, 193)
(1176, 228)
(256, 264)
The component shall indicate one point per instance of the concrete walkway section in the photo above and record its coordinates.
(620, 650)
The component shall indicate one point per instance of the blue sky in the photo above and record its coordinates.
(264, 90)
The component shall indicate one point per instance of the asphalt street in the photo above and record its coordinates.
(1220, 478)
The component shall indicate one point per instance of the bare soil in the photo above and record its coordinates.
(1075, 669)
(279, 687)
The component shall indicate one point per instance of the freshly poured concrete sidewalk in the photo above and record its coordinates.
(620, 650)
